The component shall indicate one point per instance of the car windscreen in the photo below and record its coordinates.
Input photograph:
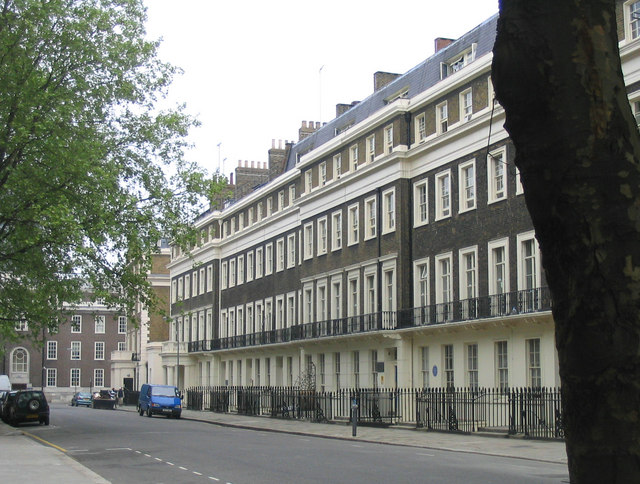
(165, 391)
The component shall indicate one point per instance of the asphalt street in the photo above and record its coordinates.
(123, 447)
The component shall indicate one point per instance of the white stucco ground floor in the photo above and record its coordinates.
(512, 351)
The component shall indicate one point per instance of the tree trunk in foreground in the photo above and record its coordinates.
(557, 73)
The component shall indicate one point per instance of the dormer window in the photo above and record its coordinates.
(458, 62)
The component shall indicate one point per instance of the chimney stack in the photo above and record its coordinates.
(381, 79)
(441, 43)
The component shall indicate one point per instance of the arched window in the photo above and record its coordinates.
(20, 361)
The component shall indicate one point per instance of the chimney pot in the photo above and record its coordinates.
(273, 143)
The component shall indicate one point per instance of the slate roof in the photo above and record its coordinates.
(418, 79)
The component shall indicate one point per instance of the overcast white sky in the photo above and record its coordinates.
(252, 67)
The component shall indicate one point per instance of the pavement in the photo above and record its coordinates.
(20, 449)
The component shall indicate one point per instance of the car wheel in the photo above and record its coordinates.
(34, 404)
(46, 420)
(149, 412)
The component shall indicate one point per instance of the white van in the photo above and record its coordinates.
(5, 383)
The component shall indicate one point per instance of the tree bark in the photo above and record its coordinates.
(557, 73)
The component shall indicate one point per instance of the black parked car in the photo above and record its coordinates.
(26, 406)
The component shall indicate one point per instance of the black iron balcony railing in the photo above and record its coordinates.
(498, 305)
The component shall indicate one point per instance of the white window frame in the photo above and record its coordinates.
(421, 128)
(336, 230)
(291, 251)
(353, 224)
(321, 301)
(241, 270)
(187, 286)
(76, 323)
(281, 200)
(292, 195)
(467, 191)
(424, 365)
(308, 181)
(308, 241)
(250, 265)
(99, 350)
(122, 325)
(174, 291)
(353, 297)
(442, 117)
(353, 158)
(501, 351)
(233, 273)
(522, 278)
(250, 218)
(201, 282)
(629, 21)
(421, 282)
(471, 366)
(389, 285)
(224, 279)
(268, 259)
(466, 108)
(100, 322)
(75, 377)
(76, 351)
(52, 350)
(468, 277)
(337, 166)
(122, 345)
(443, 210)
(370, 289)
(388, 139)
(389, 211)
(52, 377)
(269, 206)
(323, 236)
(336, 297)
(307, 304)
(280, 262)
(496, 175)
(493, 286)
(322, 174)
(370, 218)
(444, 286)
(98, 377)
(420, 216)
(448, 365)
(533, 362)
(259, 262)
(371, 148)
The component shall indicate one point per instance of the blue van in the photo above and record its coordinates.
(161, 400)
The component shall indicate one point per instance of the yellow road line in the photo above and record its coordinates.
(44, 441)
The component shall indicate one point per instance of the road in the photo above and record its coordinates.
(123, 447)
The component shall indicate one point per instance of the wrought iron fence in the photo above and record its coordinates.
(532, 412)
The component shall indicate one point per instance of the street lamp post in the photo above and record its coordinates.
(177, 356)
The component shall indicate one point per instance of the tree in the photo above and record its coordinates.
(92, 175)
(557, 73)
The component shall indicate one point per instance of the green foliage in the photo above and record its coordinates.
(92, 175)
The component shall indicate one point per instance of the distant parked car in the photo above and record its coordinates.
(104, 399)
(81, 398)
(26, 406)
